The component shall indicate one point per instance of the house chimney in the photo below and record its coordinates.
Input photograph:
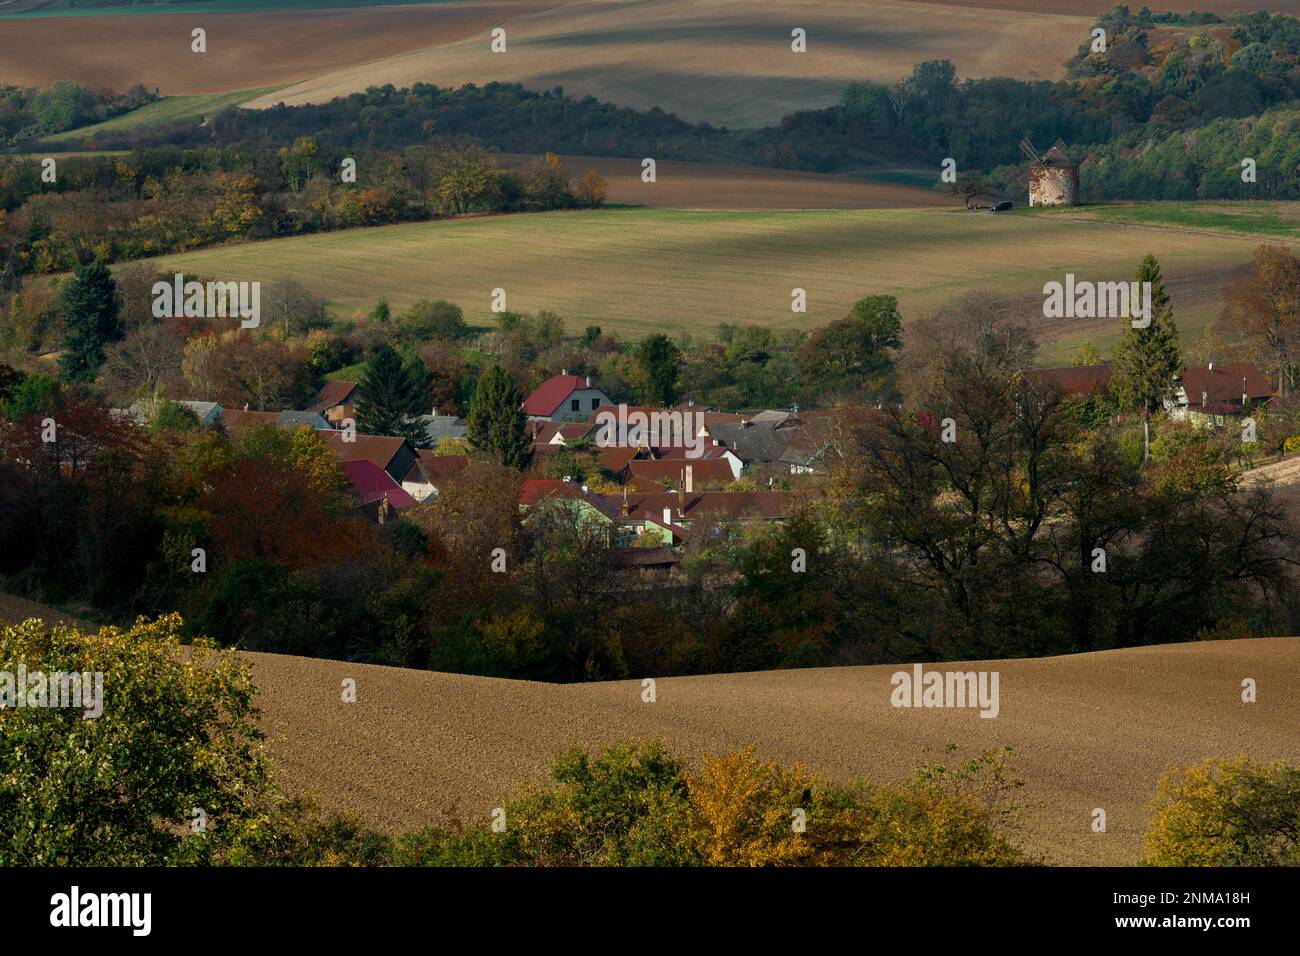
(668, 516)
(589, 381)
(689, 481)
(1211, 365)
(1245, 397)
(564, 371)
(625, 508)
(1205, 397)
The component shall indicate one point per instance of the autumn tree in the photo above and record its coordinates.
(177, 730)
(465, 177)
(853, 352)
(1263, 308)
(1146, 359)
(546, 183)
(591, 189)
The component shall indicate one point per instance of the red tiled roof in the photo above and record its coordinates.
(720, 504)
(1080, 380)
(534, 490)
(1223, 385)
(615, 459)
(435, 468)
(644, 485)
(548, 396)
(658, 519)
(613, 410)
(331, 394)
(370, 483)
(379, 450)
(674, 469)
(232, 418)
(705, 450)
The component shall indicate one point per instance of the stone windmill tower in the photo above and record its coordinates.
(1053, 175)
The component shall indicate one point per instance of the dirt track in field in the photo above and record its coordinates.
(1090, 730)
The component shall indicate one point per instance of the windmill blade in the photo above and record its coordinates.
(1060, 144)
(1029, 150)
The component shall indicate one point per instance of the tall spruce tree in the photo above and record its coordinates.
(392, 394)
(660, 361)
(91, 319)
(495, 422)
(1146, 360)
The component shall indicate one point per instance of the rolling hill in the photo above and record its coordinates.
(727, 62)
(1089, 730)
(639, 270)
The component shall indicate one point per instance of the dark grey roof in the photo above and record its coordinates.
(443, 426)
(755, 441)
(312, 419)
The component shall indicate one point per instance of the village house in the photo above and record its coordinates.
(678, 509)
(679, 472)
(437, 427)
(429, 471)
(771, 442)
(143, 411)
(1076, 381)
(378, 496)
(335, 401)
(393, 455)
(590, 510)
(1217, 394)
(564, 397)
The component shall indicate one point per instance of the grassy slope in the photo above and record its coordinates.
(642, 270)
(1264, 219)
(166, 110)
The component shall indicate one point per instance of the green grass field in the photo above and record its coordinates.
(203, 6)
(165, 110)
(1263, 219)
(635, 271)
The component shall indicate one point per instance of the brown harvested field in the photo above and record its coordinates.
(14, 609)
(245, 50)
(1090, 8)
(1090, 730)
(735, 186)
(727, 62)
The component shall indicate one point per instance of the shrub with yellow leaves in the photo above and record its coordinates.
(175, 732)
(1238, 812)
